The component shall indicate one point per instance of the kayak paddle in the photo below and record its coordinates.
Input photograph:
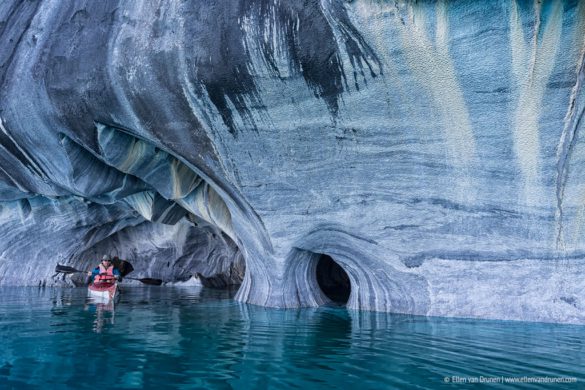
(122, 265)
(70, 270)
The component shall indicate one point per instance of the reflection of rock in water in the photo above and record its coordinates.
(435, 159)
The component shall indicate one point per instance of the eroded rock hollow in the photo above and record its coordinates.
(418, 157)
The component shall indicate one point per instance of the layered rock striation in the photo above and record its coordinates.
(425, 157)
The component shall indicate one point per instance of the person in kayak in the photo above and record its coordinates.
(105, 272)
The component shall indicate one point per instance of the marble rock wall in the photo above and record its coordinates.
(432, 149)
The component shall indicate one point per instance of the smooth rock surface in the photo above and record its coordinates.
(432, 149)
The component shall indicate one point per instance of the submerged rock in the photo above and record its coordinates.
(432, 150)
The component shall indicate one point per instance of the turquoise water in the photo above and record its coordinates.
(199, 338)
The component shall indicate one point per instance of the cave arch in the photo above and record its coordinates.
(185, 215)
(333, 280)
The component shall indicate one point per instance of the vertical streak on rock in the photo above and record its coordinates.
(113, 75)
(176, 178)
(537, 23)
(198, 98)
(397, 95)
(433, 66)
(442, 33)
(517, 41)
(531, 79)
(569, 137)
(351, 44)
(456, 118)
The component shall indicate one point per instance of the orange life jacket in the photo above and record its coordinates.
(106, 275)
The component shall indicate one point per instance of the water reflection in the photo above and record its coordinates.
(104, 313)
(202, 338)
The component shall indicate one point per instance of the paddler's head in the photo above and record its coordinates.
(106, 260)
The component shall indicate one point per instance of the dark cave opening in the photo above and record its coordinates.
(333, 280)
(186, 253)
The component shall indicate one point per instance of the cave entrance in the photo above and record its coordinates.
(333, 280)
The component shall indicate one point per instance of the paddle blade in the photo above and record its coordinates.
(153, 282)
(123, 266)
(65, 269)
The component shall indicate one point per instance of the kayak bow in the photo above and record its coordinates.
(103, 291)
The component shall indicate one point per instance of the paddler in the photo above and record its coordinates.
(105, 272)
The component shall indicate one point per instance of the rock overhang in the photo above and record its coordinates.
(426, 147)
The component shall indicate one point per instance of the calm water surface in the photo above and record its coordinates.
(199, 338)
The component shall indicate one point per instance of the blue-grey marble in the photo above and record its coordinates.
(433, 149)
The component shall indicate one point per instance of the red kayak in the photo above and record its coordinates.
(103, 291)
